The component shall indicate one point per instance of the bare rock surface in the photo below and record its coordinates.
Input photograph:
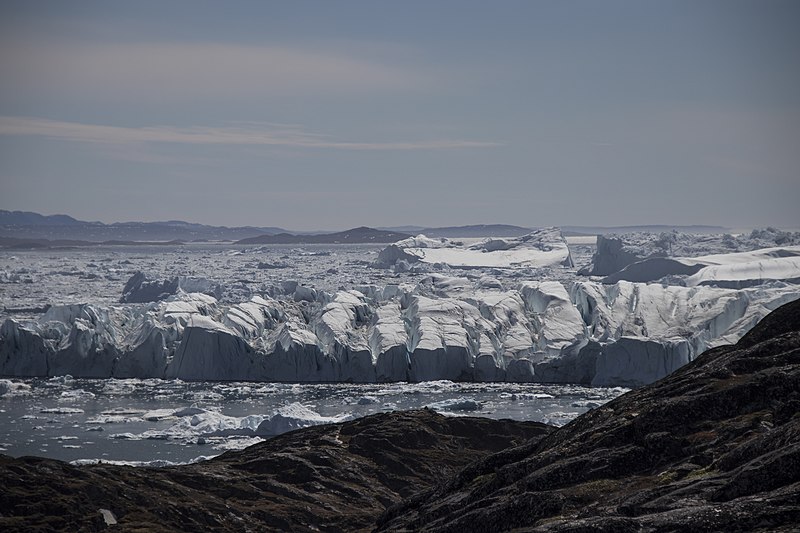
(338, 477)
(712, 447)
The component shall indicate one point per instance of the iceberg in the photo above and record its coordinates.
(542, 248)
(747, 269)
(688, 259)
(732, 270)
(616, 252)
(197, 425)
(140, 289)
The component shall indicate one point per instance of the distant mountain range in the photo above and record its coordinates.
(361, 235)
(652, 228)
(27, 225)
(476, 230)
(506, 230)
(25, 229)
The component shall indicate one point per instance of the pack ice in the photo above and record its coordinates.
(442, 327)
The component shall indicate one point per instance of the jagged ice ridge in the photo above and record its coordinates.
(625, 334)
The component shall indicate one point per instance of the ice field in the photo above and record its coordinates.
(173, 352)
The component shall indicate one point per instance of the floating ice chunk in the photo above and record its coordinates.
(158, 414)
(295, 416)
(367, 400)
(235, 443)
(210, 423)
(64, 379)
(61, 410)
(559, 418)
(196, 423)
(188, 411)
(76, 395)
(158, 463)
(10, 388)
(125, 436)
(462, 404)
(589, 404)
(123, 411)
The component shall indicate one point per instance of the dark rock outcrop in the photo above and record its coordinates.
(325, 478)
(715, 446)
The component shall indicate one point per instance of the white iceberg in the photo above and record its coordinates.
(732, 270)
(542, 248)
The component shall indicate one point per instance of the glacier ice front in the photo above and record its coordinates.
(467, 329)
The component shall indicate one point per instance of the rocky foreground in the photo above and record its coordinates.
(338, 477)
(715, 446)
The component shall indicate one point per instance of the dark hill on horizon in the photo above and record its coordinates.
(29, 226)
(13, 243)
(715, 446)
(360, 235)
(477, 230)
(644, 228)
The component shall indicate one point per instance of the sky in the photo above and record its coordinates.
(329, 115)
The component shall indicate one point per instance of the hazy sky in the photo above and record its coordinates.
(329, 115)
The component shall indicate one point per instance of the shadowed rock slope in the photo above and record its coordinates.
(326, 478)
(715, 446)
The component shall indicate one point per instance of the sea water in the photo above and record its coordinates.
(161, 422)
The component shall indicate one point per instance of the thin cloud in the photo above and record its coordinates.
(242, 135)
(159, 71)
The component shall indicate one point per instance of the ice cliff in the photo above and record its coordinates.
(440, 328)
